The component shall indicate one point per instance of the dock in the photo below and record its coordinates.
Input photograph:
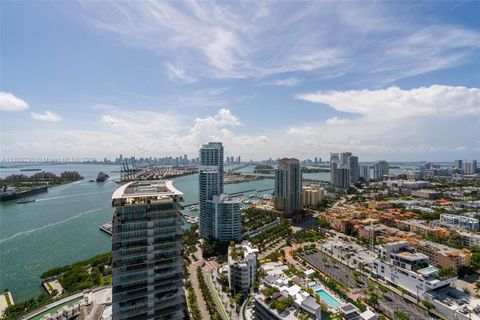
(106, 227)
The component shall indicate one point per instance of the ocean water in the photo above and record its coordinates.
(61, 226)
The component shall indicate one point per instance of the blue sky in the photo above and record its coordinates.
(385, 80)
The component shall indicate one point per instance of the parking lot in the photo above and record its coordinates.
(387, 303)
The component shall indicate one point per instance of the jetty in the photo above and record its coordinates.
(107, 228)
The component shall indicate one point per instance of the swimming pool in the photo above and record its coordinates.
(331, 301)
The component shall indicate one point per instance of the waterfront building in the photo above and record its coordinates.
(210, 184)
(400, 265)
(334, 160)
(220, 216)
(344, 158)
(242, 266)
(365, 172)
(288, 185)
(147, 247)
(380, 168)
(225, 220)
(343, 178)
(354, 170)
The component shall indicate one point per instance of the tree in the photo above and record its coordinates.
(373, 300)
(238, 298)
(400, 315)
(428, 305)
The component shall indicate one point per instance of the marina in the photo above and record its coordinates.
(70, 215)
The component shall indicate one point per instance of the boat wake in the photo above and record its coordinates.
(78, 215)
(72, 196)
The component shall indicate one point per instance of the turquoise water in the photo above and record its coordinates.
(331, 301)
(61, 226)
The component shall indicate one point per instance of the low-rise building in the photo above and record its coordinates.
(242, 266)
(467, 223)
(419, 227)
(443, 256)
(470, 239)
(426, 193)
(400, 265)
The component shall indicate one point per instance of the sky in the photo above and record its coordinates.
(384, 80)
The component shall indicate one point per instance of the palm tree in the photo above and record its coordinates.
(477, 285)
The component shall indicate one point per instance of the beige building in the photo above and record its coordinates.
(443, 256)
(312, 195)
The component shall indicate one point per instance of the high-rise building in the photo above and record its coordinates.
(354, 170)
(220, 217)
(288, 185)
(147, 246)
(365, 172)
(334, 160)
(344, 158)
(458, 164)
(225, 219)
(469, 167)
(312, 196)
(380, 168)
(343, 178)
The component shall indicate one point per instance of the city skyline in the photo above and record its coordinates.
(382, 80)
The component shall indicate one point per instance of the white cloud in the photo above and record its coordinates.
(337, 121)
(288, 82)
(46, 116)
(395, 103)
(106, 118)
(396, 122)
(8, 102)
(234, 40)
(177, 73)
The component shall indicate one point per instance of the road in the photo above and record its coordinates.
(192, 269)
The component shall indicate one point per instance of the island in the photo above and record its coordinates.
(17, 186)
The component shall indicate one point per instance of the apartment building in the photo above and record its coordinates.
(467, 223)
(443, 256)
(242, 266)
(401, 265)
(147, 246)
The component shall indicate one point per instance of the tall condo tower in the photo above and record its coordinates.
(147, 245)
(220, 217)
(334, 161)
(380, 168)
(354, 170)
(288, 185)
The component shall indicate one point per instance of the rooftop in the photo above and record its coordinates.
(141, 189)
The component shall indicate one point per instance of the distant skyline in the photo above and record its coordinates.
(383, 80)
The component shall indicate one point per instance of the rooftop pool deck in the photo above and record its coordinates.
(331, 301)
(325, 296)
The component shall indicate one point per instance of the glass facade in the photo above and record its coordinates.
(147, 258)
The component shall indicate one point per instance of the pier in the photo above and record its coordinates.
(107, 228)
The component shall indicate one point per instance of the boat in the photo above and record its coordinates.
(91, 180)
(32, 169)
(7, 195)
(25, 201)
(102, 177)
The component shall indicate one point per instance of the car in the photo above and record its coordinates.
(388, 298)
